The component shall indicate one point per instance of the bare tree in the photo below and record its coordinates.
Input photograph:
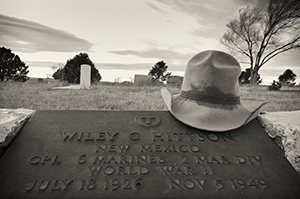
(260, 35)
(54, 67)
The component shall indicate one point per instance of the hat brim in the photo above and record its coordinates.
(211, 117)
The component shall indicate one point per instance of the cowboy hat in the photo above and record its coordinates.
(209, 98)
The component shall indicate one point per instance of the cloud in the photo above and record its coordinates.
(154, 53)
(124, 66)
(263, 4)
(151, 5)
(287, 59)
(175, 60)
(211, 16)
(108, 66)
(42, 63)
(27, 36)
(138, 66)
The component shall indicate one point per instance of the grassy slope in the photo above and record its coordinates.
(40, 96)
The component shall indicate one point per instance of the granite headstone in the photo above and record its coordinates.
(141, 154)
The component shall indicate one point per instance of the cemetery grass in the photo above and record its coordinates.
(41, 96)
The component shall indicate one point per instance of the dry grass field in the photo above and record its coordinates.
(41, 96)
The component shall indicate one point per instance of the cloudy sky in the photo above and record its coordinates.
(122, 37)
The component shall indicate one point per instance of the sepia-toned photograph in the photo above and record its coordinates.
(149, 99)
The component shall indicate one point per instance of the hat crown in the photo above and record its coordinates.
(213, 74)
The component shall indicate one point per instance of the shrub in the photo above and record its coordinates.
(275, 86)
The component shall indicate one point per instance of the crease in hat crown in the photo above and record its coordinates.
(209, 98)
(212, 76)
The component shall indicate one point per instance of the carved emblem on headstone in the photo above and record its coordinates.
(147, 119)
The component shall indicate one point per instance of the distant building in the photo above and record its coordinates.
(142, 80)
(174, 81)
(145, 80)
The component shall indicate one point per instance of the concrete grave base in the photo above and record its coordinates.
(284, 128)
(70, 87)
(11, 122)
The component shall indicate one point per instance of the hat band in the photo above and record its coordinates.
(192, 95)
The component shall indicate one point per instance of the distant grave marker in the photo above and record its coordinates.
(175, 81)
(141, 154)
(145, 80)
(142, 80)
(40, 80)
(85, 76)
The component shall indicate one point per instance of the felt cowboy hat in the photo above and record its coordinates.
(209, 98)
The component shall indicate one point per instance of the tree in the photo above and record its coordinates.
(244, 78)
(59, 74)
(11, 66)
(159, 71)
(287, 78)
(260, 35)
(71, 71)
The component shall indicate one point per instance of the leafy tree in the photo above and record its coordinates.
(260, 35)
(159, 71)
(288, 77)
(58, 71)
(244, 78)
(11, 66)
(71, 71)
(59, 74)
